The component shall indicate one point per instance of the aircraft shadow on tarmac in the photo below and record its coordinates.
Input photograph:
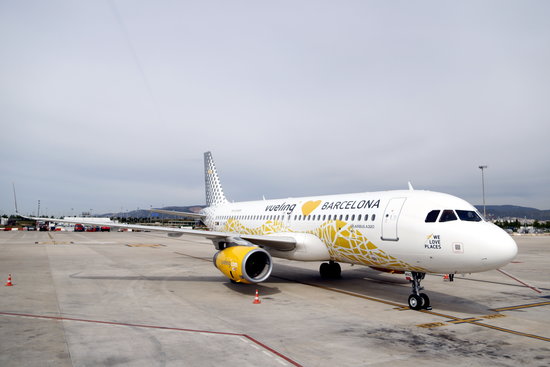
(182, 278)
(245, 289)
(371, 283)
(265, 289)
(360, 280)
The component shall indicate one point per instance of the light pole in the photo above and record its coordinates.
(483, 188)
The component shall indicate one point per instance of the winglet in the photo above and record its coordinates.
(411, 188)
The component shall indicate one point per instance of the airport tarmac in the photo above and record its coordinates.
(144, 299)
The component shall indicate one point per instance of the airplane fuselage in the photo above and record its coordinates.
(390, 230)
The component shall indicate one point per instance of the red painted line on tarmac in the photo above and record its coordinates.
(271, 350)
(520, 281)
(60, 318)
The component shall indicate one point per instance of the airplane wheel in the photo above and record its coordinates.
(425, 300)
(335, 270)
(324, 270)
(415, 302)
(330, 270)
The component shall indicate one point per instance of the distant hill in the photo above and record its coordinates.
(146, 214)
(501, 211)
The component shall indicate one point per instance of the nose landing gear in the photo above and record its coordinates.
(418, 300)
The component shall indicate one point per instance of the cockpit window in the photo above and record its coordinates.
(447, 216)
(468, 215)
(432, 216)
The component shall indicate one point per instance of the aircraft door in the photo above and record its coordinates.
(391, 218)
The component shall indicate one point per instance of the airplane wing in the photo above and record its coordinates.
(281, 243)
(179, 214)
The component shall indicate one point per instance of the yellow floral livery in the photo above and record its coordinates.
(343, 242)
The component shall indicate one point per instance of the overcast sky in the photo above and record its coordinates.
(109, 105)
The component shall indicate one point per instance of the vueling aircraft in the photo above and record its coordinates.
(401, 231)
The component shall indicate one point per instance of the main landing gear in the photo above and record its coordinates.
(330, 270)
(418, 300)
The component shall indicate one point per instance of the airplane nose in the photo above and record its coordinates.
(505, 248)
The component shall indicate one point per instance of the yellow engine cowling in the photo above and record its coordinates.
(244, 264)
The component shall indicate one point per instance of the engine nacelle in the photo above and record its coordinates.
(244, 264)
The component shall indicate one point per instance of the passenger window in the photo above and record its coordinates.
(432, 216)
(347, 216)
(468, 215)
(447, 216)
(373, 217)
(359, 217)
(353, 217)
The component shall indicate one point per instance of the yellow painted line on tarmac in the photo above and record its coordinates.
(51, 237)
(522, 306)
(543, 338)
(464, 321)
(493, 316)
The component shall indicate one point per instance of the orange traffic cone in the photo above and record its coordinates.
(9, 283)
(446, 277)
(257, 299)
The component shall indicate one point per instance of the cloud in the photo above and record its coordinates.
(104, 108)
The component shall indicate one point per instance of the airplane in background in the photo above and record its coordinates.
(400, 231)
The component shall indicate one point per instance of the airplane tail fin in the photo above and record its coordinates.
(214, 190)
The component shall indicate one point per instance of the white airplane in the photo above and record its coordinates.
(400, 231)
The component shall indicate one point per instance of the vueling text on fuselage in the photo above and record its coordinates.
(328, 205)
(284, 207)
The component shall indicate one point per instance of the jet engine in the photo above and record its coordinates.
(244, 264)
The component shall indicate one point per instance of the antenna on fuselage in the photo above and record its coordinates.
(410, 186)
